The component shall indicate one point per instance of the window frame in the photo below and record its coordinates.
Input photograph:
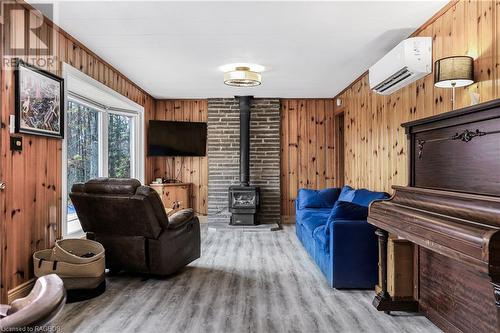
(133, 110)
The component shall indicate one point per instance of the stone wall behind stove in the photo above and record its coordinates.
(223, 155)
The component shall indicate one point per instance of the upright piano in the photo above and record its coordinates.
(450, 210)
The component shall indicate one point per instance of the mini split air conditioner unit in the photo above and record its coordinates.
(409, 61)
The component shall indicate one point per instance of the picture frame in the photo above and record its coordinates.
(39, 101)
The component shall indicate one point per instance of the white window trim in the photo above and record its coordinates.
(137, 167)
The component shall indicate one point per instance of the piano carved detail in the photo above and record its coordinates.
(420, 144)
(467, 135)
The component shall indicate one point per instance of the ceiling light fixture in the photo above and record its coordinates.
(253, 67)
(242, 77)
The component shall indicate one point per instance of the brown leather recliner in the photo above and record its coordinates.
(129, 220)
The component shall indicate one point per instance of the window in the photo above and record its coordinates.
(119, 145)
(101, 141)
(82, 137)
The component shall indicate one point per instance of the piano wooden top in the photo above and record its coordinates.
(462, 226)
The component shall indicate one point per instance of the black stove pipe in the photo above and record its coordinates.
(245, 104)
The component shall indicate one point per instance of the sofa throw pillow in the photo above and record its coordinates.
(344, 210)
(347, 194)
(365, 197)
(317, 198)
(348, 211)
(361, 197)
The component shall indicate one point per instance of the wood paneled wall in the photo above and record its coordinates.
(310, 149)
(186, 169)
(310, 153)
(375, 143)
(30, 214)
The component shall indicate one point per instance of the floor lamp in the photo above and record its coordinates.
(454, 72)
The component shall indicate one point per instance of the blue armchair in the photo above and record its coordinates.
(331, 224)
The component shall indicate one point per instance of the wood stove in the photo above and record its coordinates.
(244, 204)
(244, 199)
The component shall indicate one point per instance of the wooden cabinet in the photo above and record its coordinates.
(173, 193)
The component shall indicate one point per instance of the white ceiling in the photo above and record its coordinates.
(174, 49)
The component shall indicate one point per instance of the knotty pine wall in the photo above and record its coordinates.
(308, 159)
(375, 144)
(30, 207)
(311, 152)
(186, 169)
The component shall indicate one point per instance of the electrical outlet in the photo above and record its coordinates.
(16, 143)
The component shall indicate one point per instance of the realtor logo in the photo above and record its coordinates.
(26, 35)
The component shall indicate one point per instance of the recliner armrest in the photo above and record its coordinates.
(180, 218)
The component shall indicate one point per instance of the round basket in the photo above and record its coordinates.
(44, 264)
(77, 251)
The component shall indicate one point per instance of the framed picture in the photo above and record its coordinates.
(39, 102)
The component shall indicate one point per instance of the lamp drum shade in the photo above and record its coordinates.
(455, 71)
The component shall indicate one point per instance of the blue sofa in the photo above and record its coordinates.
(331, 225)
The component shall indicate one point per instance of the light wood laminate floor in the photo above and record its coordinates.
(244, 282)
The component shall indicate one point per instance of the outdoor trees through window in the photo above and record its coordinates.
(119, 138)
(83, 145)
(100, 143)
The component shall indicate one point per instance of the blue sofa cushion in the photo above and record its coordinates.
(321, 236)
(310, 219)
(317, 198)
(308, 212)
(348, 211)
(361, 197)
(343, 210)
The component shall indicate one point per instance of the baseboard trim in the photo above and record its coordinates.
(224, 226)
(202, 219)
(288, 219)
(20, 291)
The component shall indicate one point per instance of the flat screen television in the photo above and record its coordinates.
(177, 138)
